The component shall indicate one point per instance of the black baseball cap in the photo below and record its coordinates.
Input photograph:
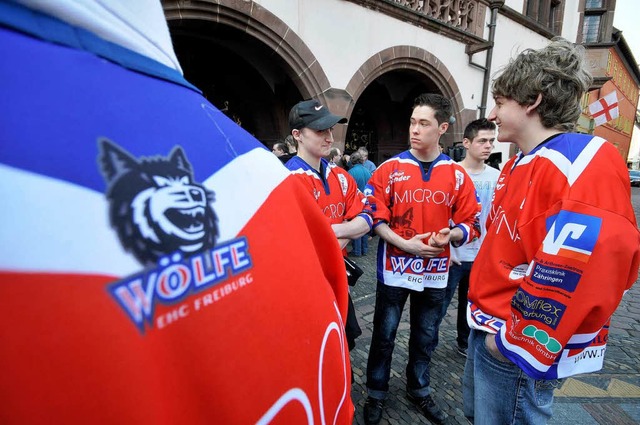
(314, 115)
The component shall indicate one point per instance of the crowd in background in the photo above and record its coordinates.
(286, 149)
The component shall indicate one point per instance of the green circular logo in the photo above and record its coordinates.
(554, 346)
(529, 331)
(542, 337)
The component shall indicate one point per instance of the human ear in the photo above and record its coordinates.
(535, 104)
(296, 134)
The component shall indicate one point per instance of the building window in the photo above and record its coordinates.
(548, 13)
(591, 28)
(593, 4)
(593, 24)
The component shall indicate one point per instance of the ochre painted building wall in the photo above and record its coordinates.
(617, 131)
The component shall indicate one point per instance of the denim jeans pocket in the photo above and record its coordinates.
(544, 390)
(486, 349)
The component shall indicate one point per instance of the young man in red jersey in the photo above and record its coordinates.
(332, 187)
(562, 245)
(422, 201)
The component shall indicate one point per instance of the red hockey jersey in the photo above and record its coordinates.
(562, 247)
(141, 279)
(412, 201)
(336, 192)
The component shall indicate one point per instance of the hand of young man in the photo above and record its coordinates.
(343, 242)
(440, 239)
(492, 348)
(417, 246)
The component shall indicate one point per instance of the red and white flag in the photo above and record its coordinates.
(605, 109)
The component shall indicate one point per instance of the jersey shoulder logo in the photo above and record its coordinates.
(459, 179)
(572, 235)
(344, 184)
(155, 205)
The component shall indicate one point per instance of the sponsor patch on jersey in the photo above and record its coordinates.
(543, 310)
(397, 176)
(518, 272)
(537, 338)
(460, 179)
(554, 276)
(541, 336)
(344, 184)
(572, 235)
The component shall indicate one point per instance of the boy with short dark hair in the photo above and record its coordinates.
(423, 202)
(479, 136)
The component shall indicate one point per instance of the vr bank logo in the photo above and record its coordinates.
(571, 235)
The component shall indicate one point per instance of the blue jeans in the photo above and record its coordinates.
(500, 393)
(424, 314)
(459, 277)
(361, 245)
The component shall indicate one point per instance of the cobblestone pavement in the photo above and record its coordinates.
(611, 396)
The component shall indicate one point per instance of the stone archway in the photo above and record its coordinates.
(417, 70)
(261, 32)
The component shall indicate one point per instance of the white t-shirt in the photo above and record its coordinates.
(485, 183)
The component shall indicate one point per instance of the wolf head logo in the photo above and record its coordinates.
(155, 205)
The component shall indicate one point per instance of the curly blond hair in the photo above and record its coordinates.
(557, 72)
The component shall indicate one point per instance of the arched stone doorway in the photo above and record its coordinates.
(247, 62)
(384, 89)
(238, 75)
(380, 117)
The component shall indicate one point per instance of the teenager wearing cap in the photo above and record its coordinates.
(333, 188)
